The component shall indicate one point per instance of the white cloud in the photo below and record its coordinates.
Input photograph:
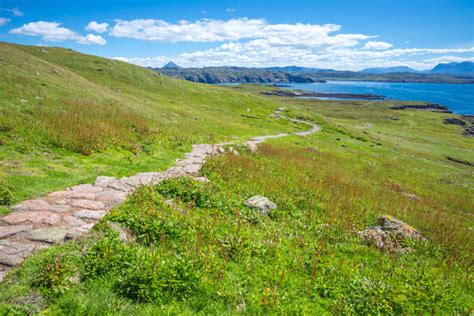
(230, 10)
(53, 32)
(92, 39)
(17, 12)
(4, 21)
(14, 11)
(208, 30)
(97, 27)
(377, 45)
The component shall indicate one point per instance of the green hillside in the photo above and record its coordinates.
(68, 117)
(189, 247)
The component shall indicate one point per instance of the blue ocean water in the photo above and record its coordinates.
(459, 98)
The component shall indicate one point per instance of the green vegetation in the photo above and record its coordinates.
(66, 118)
(193, 247)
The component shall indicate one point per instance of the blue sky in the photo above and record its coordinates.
(325, 34)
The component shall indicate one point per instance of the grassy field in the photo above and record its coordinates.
(68, 117)
(210, 254)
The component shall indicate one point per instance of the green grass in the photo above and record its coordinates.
(66, 118)
(212, 255)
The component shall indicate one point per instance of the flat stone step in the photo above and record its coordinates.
(14, 253)
(52, 235)
(7, 231)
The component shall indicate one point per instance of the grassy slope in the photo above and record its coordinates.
(68, 117)
(217, 256)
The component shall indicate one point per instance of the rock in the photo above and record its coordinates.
(73, 221)
(31, 205)
(411, 196)
(7, 231)
(454, 121)
(376, 236)
(201, 179)
(86, 188)
(2, 276)
(233, 151)
(59, 208)
(117, 185)
(91, 205)
(125, 234)
(390, 234)
(397, 227)
(39, 217)
(52, 235)
(75, 232)
(260, 203)
(90, 214)
(13, 253)
(103, 181)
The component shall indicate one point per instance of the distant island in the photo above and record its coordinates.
(442, 73)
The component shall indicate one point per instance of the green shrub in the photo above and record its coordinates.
(55, 276)
(158, 278)
(6, 195)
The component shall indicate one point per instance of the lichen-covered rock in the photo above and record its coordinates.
(261, 203)
(390, 235)
(394, 226)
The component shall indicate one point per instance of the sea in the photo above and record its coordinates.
(459, 98)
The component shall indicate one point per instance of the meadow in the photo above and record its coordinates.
(191, 247)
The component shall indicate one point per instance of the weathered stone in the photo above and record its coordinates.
(73, 195)
(13, 253)
(86, 188)
(125, 234)
(39, 217)
(377, 237)
(192, 169)
(7, 231)
(2, 276)
(31, 205)
(50, 235)
(73, 221)
(91, 205)
(261, 203)
(401, 229)
(90, 214)
(117, 185)
(103, 181)
(390, 234)
(59, 208)
(75, 232)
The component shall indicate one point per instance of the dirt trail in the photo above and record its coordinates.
(62, 215)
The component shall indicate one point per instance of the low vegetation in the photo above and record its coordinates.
(189, 247)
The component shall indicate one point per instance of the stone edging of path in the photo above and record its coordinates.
(39, 223)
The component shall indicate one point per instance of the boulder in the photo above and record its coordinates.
(261, 203)
(389, 235)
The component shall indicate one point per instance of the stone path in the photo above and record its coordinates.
(62, 215)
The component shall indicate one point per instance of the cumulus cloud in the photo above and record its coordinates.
(93, 26)
(54, 32)
(209, 30)
(377, 45)
(4, 21)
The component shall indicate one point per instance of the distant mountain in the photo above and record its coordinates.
(465, 68)
(171, 65)
(295, 74)
(387, 70)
